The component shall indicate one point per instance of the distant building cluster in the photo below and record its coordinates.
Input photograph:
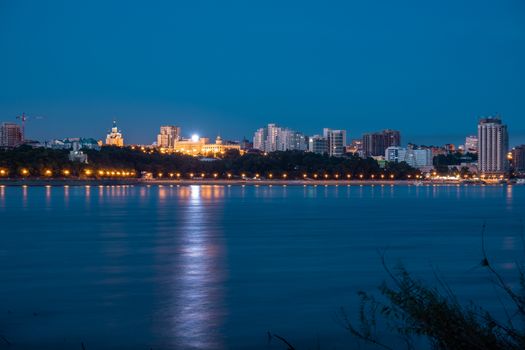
(170, 140)
(71, 143)
(490, 145)
(275, 138)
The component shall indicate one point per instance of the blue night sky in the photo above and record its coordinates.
(427, 68)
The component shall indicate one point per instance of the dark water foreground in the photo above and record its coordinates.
(216, 267)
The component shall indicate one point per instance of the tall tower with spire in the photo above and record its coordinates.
(115, 138)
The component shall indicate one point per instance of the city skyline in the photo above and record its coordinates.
(358, 67)
(462, 140)
(269, 175)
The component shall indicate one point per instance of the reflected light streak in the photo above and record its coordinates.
(48, 196)
(198, 305)
(509, 196)
(24, 195)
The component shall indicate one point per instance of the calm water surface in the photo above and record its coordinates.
(216, 267)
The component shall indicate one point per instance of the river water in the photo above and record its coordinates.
(218, 267)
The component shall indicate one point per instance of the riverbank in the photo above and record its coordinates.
(224, 182)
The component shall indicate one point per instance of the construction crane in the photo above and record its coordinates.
(23, 119)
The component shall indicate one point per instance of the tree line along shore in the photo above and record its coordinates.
(132, 163)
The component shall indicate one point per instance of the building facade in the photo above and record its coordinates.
(375, 144)
(201, 146)
(416, 158)
(275, 138)
(115, 138)
(336, 141)
(291, 140)
(167, 136)
(518, 159)
(317, 144)
(493, 144)
(10, 135)
(219, 147)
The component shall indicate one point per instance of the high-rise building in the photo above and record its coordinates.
(336, 141)
(471, 144)
(493, 144)
(518, 158)
(114, 138)
(317, 144)
(259, 138)
(168, 135)
(274, 138)
(375, 144)
(10, 135)
(290, 140)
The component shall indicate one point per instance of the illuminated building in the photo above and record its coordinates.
(168, 135)
(335, 141)
(10, 135)
(219, 147)
(317, 144)
(201, 146)
(192, 146)
(493, 144)
(114, 138)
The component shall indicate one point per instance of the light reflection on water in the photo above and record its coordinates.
(197, 303)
